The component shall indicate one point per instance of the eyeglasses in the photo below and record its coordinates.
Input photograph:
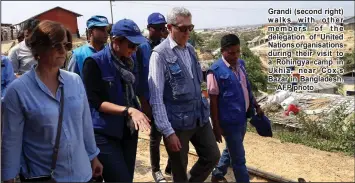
(184, 28)
(60, 46)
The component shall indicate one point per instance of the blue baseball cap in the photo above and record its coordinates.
(128, 29)
(97, 21)
(156, 18)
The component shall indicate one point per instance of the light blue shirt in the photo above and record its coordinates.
(7, 74)
(30, 127)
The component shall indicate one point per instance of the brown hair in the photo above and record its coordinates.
(45, 35)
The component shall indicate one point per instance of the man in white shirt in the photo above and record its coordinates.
(20, 55)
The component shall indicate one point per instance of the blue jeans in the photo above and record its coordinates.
(118, 156)
(233, 154)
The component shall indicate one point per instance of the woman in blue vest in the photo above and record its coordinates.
(109, 77)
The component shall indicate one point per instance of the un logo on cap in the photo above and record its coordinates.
(161, 16)
(103, 19)
(136, 28)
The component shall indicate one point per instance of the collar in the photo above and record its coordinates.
(228, 65)
(173, 43)
(153, 44)
(129, 61)
(33, 74)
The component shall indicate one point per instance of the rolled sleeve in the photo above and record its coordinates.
(156, 81)
(88, 129)
(13, 124)
(212, 86)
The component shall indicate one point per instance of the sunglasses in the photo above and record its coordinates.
(184, 28)
(132, 45)
(60, 46)
(158, 28)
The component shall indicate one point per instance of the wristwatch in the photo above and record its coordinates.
(125, 111)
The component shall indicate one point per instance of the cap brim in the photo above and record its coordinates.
(159, 22)
(139, 39)
(99, 25)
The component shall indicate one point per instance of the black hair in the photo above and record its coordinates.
(31, 24)
(20, 34)
(229, 40)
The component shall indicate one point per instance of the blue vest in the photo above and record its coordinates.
(231, 104)
(81, 54)
(143, 75)
(185, 106)
(104, 123)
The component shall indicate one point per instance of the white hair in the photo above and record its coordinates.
(175, 12)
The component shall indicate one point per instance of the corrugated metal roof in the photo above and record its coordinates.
(77, 14)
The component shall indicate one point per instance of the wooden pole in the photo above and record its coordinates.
(111, 11)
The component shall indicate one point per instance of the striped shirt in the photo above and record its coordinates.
(156, 81)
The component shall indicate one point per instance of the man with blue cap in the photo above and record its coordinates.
(156, 26)
(231, 103)
(97, 33)
(110, 81)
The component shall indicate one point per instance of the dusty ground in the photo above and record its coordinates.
(143, 171)
(291, 161)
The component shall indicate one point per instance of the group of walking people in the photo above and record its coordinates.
(82, 125)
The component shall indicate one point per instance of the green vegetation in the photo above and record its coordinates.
(333, 134)
(349, 63)
(196, 40)
(258, 79)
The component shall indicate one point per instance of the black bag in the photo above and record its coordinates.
(49, 178)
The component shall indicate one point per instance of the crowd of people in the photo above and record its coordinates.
(81, 124)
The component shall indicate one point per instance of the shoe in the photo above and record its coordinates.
(158, 177)
(168, 171)
(217, 180)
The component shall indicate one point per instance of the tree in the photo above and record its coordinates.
(254, 69)
(349, 63)
(195, 39)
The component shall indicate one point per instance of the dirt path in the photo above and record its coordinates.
(288, 160)
(143, 171)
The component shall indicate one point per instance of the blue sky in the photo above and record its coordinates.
(205, 14)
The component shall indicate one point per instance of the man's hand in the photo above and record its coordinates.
(10, 181)
(218, 133)
(259, 111)
(173, 143)
(96, 167)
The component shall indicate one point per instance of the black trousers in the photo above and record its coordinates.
(155, 138)
(204, 141)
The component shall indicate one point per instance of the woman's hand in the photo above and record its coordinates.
(140, 120)
(96, 167)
